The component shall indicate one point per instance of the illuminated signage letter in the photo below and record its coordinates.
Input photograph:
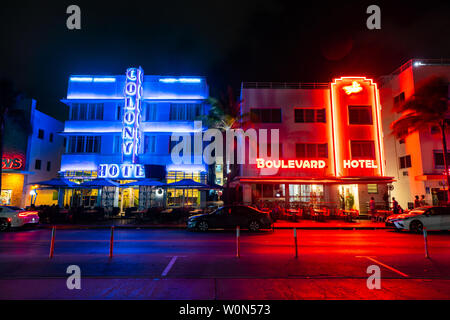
(354, 88)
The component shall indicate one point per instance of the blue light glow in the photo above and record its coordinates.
(104, 79)
(123, 170)
(131, 143)
(81, 79)
(193, 168)
(182, 80)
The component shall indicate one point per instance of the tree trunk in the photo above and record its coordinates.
(444, 148)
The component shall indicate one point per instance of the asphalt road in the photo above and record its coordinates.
(178, 264)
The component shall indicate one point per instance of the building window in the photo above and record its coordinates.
(359, 114)
(405, 162)
(49, 165)
(87, 111)
(92, 144)
(119, 109)
(185, 111)
(149, 144)
(41, 134)
(51, 137)
(309, 115)
(82, 144)
(398, 100)
(401, 135)
(372, 188)
(150, 111)
(311, 150)
(37, 164)
(439, 159)
(435, 130)
(363, 149)
(116, 144)
(269, 115)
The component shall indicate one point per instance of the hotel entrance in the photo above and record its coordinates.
(349, 197)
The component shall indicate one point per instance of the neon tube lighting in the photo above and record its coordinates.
(377, 130)
(81, 79)
(185, 168)
(104, 79)
(182, 80)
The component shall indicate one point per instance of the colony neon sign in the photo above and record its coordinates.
(290, 164)
(131, 132)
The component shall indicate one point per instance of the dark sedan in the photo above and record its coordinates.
(231, 217)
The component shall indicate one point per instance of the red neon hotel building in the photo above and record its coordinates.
(330, 142)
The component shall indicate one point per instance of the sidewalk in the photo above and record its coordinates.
(225, 289)
(358, 224)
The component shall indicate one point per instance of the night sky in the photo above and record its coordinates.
(226, 41)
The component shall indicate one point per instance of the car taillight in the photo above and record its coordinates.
(27, 213)
(9, 219)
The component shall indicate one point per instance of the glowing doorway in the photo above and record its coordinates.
(348, 197)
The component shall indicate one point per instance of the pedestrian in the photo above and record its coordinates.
(423, 203)
(395, 206)
(416, 202)
(372, 208)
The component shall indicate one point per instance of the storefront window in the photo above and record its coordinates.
(5, 197)
(191, 196)
(306, 193)
(268, 192)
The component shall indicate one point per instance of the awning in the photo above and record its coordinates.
(434, 177)
(98, 183)
(56, 183)
(188, 184)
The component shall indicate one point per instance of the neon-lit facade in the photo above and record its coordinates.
(30, 157)
(120, 126)
(415, 162)
(331, 144)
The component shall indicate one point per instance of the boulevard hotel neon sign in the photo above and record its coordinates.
(311, 164)
(131, 131)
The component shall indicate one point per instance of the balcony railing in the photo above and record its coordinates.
(420, 62)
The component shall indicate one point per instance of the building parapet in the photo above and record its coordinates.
(284, 85)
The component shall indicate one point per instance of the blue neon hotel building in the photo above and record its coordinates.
(119, 128)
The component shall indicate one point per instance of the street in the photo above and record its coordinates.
(179, 264)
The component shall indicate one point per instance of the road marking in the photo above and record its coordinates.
(384, 265)
(169, 266)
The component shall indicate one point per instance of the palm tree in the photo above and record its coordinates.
(224, 114)
(10, 112)
(427, 107)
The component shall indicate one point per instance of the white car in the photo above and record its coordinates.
(430, 218)
(13, 217)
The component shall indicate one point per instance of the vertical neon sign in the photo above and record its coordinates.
(131, 132)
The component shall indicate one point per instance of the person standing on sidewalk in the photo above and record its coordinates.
(372, 208)
(416, 202)
(423, 203)
(395, 206)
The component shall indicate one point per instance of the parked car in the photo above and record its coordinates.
(13, 217)
(431, 218)
(231, 217)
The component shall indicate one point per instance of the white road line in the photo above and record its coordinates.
(169, 266)
(384, 265)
